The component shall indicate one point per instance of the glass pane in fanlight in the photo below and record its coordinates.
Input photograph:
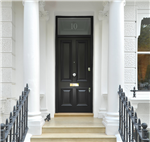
(144, 72)
(144, 38)
(74, 26)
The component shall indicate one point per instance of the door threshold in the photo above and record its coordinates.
(73, 115)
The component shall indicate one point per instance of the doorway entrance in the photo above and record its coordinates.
(74, 64)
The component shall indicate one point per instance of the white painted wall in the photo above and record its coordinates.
(7, 58)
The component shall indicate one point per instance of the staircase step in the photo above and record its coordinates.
(73, 115)
(73, 137)
(73, 129)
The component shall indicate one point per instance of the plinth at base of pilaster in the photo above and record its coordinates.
(35, 124)
(102, 112)
(111, 122)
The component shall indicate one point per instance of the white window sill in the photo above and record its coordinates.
(141, 98)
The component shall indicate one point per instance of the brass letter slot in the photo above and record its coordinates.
(74, 84)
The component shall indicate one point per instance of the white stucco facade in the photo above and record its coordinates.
(17, 63)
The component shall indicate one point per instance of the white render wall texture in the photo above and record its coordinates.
(130, 47)
(7, 58)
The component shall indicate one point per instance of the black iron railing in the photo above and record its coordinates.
(129, 125)
(16, 128)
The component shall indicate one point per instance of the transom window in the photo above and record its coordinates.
(144, 56)
(74, 26)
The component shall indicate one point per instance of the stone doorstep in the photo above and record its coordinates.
(73, 129)
(73, 115)
(73, 137)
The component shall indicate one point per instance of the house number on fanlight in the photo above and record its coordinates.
(74, 26)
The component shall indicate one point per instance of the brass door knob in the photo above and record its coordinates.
(74, 74)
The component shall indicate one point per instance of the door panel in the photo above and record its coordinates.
(66, 54)
(73, 58)
(66, 97)
(82, 97)
(81, 60)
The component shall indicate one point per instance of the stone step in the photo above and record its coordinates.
(73, 115)
(73, 129)
(73, 137)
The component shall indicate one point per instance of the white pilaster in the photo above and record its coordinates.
(103, 17)
(32, 64)
(115, 64)
(44, 17)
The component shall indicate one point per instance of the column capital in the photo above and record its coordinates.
(105, 12)
(23, 1)
(124, 1)
(42, 11)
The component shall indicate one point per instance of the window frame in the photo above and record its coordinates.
(140, 15)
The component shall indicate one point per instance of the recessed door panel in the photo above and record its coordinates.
(66, 54)
(82, 55)
(66, 97)
(82, 97)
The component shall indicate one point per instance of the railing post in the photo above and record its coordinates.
(17, 132)
(144, 131)
(7, 126)
(120, 91)
(126, 119)
(25, 110)
(139, 124)
(20, 119)
(135, 120)
(122, 114)
(139, 129)
(10, 120)
(2, 132)
(129, 122)
(27, 89)
(132, 112)
(22, 113)
(14, 114)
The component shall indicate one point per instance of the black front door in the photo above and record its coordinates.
(74, 74)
